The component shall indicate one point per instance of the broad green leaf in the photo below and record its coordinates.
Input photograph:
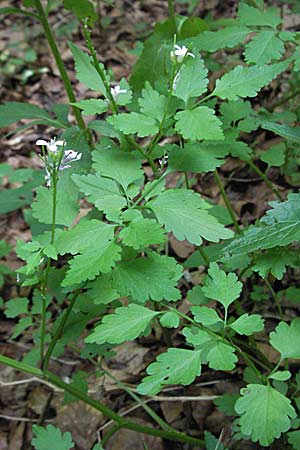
(282, 375)
(142, 233)
(22, 325)
(50, 434)
(274, 261)
(198, 124)
(152, 103)
(176, 366)
(123, 167)
(85, 70)
(275, 155)
(66, 202)
(92, 106)
(225, 288)
(263, 48)
(212, 443)
(79, 382)
(184, 213)
(194, 157)
(101, 257)
(226, 403)
(102, 291)
(102, 192)
(191, 81)
(286, 339)
(135, 278)
(126, 324)
(228, 37)
(265, 413)
(247, 81)
(11, 112)
(234, 111)
(283, 130)
(294, 439)
(206, 316)
(81, 8)
(248, 325)
(84, 235)
(15, 307)
(250, 16)
(134, 123)
(170, 320)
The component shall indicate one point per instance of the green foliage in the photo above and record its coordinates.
(199, 123)
(191, 80)
(227, 37)
(264, 48)
(265, 413)
(45, 435)
(286, 339)
(142, 233)
(248, 325)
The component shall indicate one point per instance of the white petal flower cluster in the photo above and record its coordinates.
(115, 91)
(179, 53)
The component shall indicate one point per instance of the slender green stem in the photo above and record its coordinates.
(20, 366)
(59, 330)
(204, 255)
(109, 434)
(11, 10)
(60, 65)
(273, 293)
(202, 100)
(227, 201)
(263, 176)
(172, 15)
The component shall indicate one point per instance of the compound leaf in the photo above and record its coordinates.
(53, 435)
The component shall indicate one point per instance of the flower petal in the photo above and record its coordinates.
(41, 142)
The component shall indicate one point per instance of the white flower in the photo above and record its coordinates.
(52, 146)
(69, 157)
(164, 161)
(179, 53)
(115, 91)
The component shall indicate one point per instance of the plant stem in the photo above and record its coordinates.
(273, 293)
(227, 201)
(204, 256)
(22, 367)
(60, 65)
(172, 15)
(265, 178)
(59, 331)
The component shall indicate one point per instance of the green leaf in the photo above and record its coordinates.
(81, 8)
(103, 193)
(123, 167)
(283, 130)
(83, 236)
(92, 106)
(142, 233)
(101, 290)
(228, 37)
(135, 278)
(194, 157)
(134, 123)
(66, 202)
(53, 435)
(22, 325)
(176, 366)
(184, 213)
(11, 112)
(152, 103)
(170, 320)
(247, 81)
(85, 70)
(126, 324)
(275, 155)
(286, 339)
(90, 263)
(234, 111)
(123, 98)
(263, 48)
(15, 307)
(294, 439)
(226, 403)
(225, 288)
(274, 261)
(206, 316)
(192, 79)
(250, 16)
(199, 123)
(283, 375)
(265, 413)
(248, 325)
(212, 443)
(79, 382)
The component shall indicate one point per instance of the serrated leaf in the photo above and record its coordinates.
(152, 103)
(274, 261)
(102, 291)
(170, 320)
(142, 233)
(22, 325)
(263, 48)
(102, 192)
(265, 413)
(247, 81)
(282, 375)
(15, 307)
(81, 8)
(192, 79)
(11, 112)
(275, 155)
(228, 37)
(251, 16)
(294, 439)
(184, 213)
(92, 106)
(135, 278)
(198, 124)
(123, 98)
(45, 435)
(85, 70)
(248, 325)
(193, 158)
(226, 402)
(111, 162)
(206, 316)
(286, 339)
(283, 130)
(176, 366)
(225, 288)
(91, 262)
(234, 111)
(134, 123)
(126, 324)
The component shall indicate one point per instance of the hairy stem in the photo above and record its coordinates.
(227, 201)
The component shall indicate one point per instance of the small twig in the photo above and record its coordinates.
(21, 419)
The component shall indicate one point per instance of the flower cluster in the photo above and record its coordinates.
(179, 53)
